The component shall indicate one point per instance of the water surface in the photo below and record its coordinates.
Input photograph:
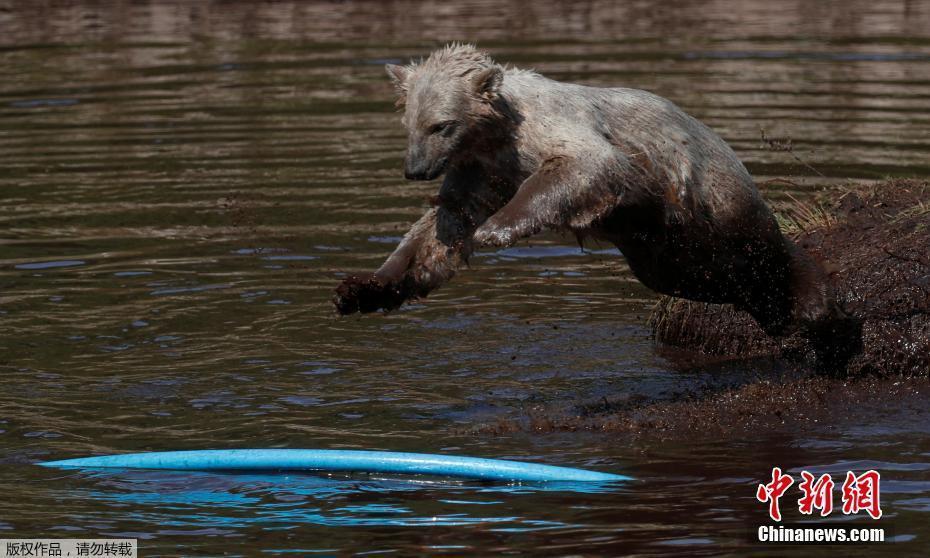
(184, 184)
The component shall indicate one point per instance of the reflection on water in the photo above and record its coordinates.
(183, 184)
(213, 500)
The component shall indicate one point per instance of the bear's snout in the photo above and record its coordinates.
(420, 168)
(414, 173)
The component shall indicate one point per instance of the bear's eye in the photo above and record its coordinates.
(441, 127)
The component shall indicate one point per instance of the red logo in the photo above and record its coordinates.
(817, 495)
(859, 493)
(772, 491)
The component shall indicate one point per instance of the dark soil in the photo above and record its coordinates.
(762, 405)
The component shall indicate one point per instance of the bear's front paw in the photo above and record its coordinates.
(492, 236)
(366, 294)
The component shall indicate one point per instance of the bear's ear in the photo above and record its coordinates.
(487, 82)
(398, 75)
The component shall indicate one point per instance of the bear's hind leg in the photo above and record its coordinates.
(834, 335)
(795, 295)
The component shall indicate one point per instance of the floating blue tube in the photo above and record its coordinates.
(339, 460)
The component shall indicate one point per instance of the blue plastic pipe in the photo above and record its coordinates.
(339, 460)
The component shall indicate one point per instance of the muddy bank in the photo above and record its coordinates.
(875, 243)
(789, 405)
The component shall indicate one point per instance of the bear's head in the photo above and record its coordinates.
(446, 100)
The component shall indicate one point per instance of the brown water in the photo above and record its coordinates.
(183, 184)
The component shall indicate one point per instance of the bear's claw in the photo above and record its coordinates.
(366, 294)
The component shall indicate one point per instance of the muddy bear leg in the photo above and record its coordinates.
(428, 256)
(795, 295)
(522, 217)
(761, 282)
(384, 289)
(834, 335)
(564, 193)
